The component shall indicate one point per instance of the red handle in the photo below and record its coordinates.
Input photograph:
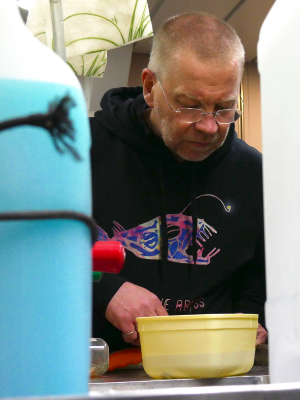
(108, 256)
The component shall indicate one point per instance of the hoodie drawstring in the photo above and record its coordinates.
(163, 225)
(194, 217)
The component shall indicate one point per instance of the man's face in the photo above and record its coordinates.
(190, 83)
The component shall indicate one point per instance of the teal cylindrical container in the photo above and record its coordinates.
(45, 265)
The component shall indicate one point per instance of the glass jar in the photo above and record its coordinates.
(99, 357)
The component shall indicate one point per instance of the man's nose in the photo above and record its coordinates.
(207, 124)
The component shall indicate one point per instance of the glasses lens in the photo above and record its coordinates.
(228, 116)
(225, 116)
(193, 115)
(189, 114)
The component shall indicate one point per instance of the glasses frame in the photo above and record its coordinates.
(237, 111)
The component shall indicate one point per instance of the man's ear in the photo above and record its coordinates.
(148, 78)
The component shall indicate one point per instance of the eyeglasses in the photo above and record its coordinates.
(226, 116)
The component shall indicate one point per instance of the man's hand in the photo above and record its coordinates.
(129, 302)
(261, 335)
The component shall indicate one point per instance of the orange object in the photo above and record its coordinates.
(125, 357)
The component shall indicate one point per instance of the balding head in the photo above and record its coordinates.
(203, 35)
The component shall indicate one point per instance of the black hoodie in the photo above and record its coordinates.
(193, 231)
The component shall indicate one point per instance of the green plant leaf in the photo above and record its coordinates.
(99, 16)
(130, 34)
(96, 51)
(40, 33)
(82, 70)
(141, 25)
(92, 65)
(70, 65)
(92, 38)
(95, 70)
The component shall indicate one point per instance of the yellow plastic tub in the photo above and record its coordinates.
(198, 346)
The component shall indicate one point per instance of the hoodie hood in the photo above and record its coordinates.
(122, 114)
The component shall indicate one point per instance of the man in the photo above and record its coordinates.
(172, 182)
